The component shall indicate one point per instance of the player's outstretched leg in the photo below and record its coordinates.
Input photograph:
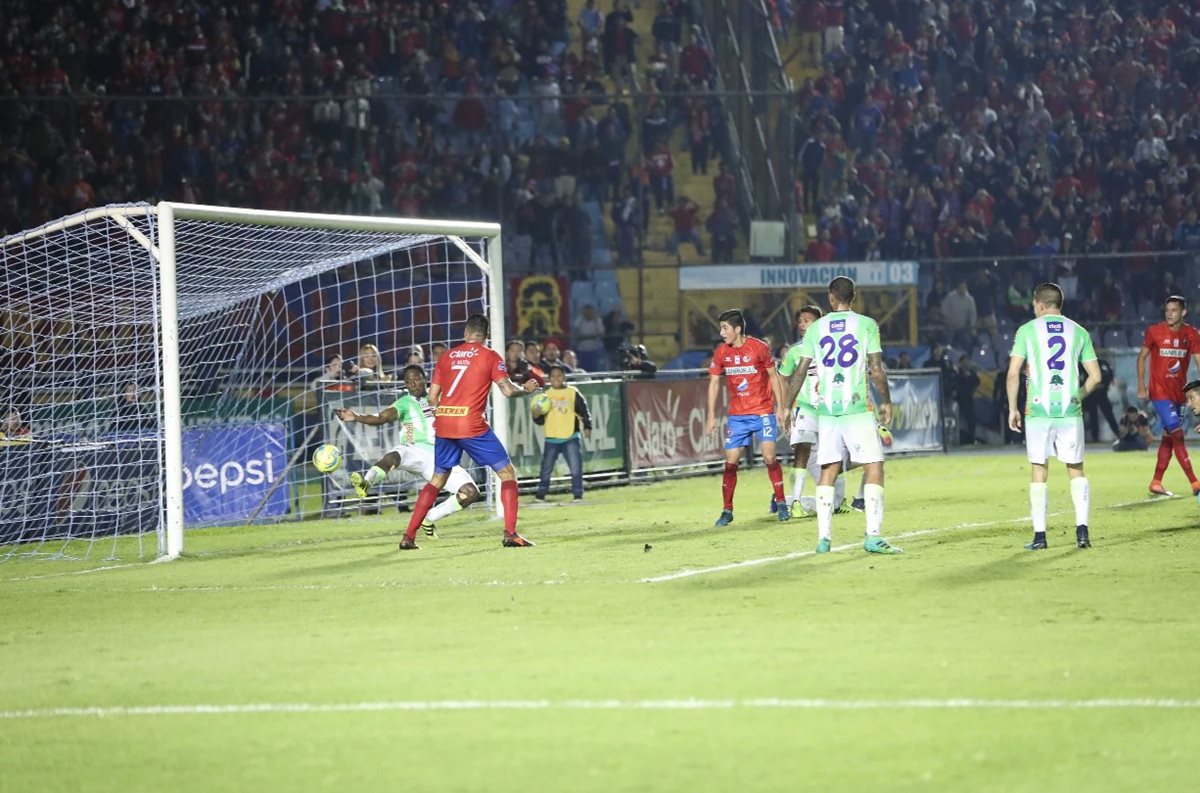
(425, 501)
(359, 482)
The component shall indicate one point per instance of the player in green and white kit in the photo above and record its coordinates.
(844, 347)
(1053, 347)
(804, 426)
(415, 452)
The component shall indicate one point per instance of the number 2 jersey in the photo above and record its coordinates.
(838, 344)
(1053, 347)
(465, 375)
(1170, 353)
(746, 375)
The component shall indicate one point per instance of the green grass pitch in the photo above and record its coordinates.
(965, 664)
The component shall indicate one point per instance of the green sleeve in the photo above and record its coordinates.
(872, 340)
(806, 348)
(1087, 350)
(1020, 348)
(790, 360)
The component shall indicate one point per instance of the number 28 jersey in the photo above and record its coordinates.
(1053, 348)
(838, 344)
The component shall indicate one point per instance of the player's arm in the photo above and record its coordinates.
(1013, 383)
(878, 375)
(1093, 379)
(781, 409)
(385, 416)
(435, 395)
(795, 382)
(511, 389)
(714, 388)
(1143, 391)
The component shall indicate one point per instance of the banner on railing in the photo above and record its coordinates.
(666, 423)
(228, 471)
(916, 412)
(796, 276)
(604, 451)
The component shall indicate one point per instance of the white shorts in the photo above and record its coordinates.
(1064, 436)
(419, 462)
(804, 426)
(855, 435)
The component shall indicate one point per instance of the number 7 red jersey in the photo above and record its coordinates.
(1170, 353)
(465, 375)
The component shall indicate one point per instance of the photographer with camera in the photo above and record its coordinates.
(635, 357)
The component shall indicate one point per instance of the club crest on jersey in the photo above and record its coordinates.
(1054, 327)
(837, 325)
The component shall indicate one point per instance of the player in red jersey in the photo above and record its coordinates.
(755, 406)
(1169, 346)
(462, 381)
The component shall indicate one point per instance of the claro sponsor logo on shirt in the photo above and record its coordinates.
(452, 410)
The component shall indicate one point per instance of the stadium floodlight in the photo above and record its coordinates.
(161, 365)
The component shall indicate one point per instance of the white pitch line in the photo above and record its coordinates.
(801, 554)
(773, 703)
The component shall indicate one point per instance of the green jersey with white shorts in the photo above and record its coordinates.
(838, 344)
(1053, 348)
(808, 392)
(416, 421)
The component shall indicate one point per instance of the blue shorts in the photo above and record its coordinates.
(740, 430)
(1169, 414)
(484, 449)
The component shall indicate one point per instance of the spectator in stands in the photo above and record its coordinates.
(722, 225)
(985, 288)
(435, 352)
(1020, 298)
(904, 360)
(820, 249)
(959, 315)
(588, 338)
(571, 359)
(533, 354)
(369, 366)
(13, 431)
(132, 413)
(520, 371)
(552, 356)
(966, 383)
(683, 219)
(1111, 300)
(660, 166)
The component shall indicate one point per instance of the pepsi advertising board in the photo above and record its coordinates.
(229, 471)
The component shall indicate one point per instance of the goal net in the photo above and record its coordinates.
(175, 365)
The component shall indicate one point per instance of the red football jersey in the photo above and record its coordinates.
(465, 375)
(745, 369)
(1170, 353)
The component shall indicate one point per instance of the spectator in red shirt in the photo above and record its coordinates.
(660, 165)
(820, 249)
(683, 216)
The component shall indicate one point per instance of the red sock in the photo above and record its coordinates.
(508, 498)
(1181, 454)
(728, 483)
(775, 473)
(425, 500)
(1164, 457)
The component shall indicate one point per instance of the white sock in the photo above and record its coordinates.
(824, 512)
(839, 490)
(1037, 506)
(798, 477)
(376, 474)
(1081, 495)
(862, 488)
(447, 507)
(873, 496)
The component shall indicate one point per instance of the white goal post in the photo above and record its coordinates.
(233, 299)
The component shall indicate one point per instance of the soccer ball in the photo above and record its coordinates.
(885, 436)
(539, 405)
(327, 458)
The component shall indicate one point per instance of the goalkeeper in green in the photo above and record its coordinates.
(415, 452)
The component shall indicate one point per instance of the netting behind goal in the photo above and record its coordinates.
(265, 302)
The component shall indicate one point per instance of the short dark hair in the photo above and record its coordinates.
(478, 324)
(843, 289)
(438, 344)
(734, 317)
(816, 311)
(1180, 299)
(556, 367)
(1191, 385)
(412, 367)
(1049, 294)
